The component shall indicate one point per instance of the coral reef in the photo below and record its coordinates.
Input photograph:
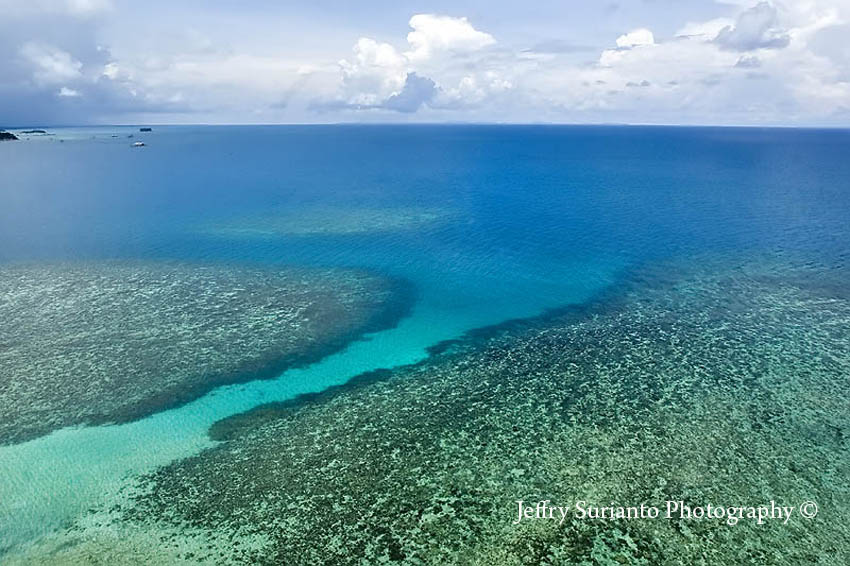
(704, 382)
(111, 342)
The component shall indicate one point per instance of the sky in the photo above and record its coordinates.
(731, 62)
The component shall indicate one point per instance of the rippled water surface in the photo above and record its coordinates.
(477, 224)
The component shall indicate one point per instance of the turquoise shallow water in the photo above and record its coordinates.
(488, 224)
(47, 481)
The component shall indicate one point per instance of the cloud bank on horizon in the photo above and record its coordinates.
(636, 61)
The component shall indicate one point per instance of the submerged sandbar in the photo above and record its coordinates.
(330, 221)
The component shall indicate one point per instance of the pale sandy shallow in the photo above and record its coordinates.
(100, 537)
(712, 381)
(329, 220)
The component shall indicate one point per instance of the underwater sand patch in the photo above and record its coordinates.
(706, 383)
(100, 538)
(331, 221)
(112, 342)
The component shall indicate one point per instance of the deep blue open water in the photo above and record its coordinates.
(524, 194)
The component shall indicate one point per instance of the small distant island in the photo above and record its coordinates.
(145, 129)
(7, 136)
(33, 132)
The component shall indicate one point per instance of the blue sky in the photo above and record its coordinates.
(262, 61)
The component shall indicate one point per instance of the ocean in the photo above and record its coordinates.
(481, 225)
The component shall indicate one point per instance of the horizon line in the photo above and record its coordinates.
(458, 123)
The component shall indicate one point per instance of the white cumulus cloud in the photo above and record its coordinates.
(68, 92)
(376, 72)
(379, 76)
(706, 31)
(50, 64)
(434, 34)
(756, 28)
(635, 38)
